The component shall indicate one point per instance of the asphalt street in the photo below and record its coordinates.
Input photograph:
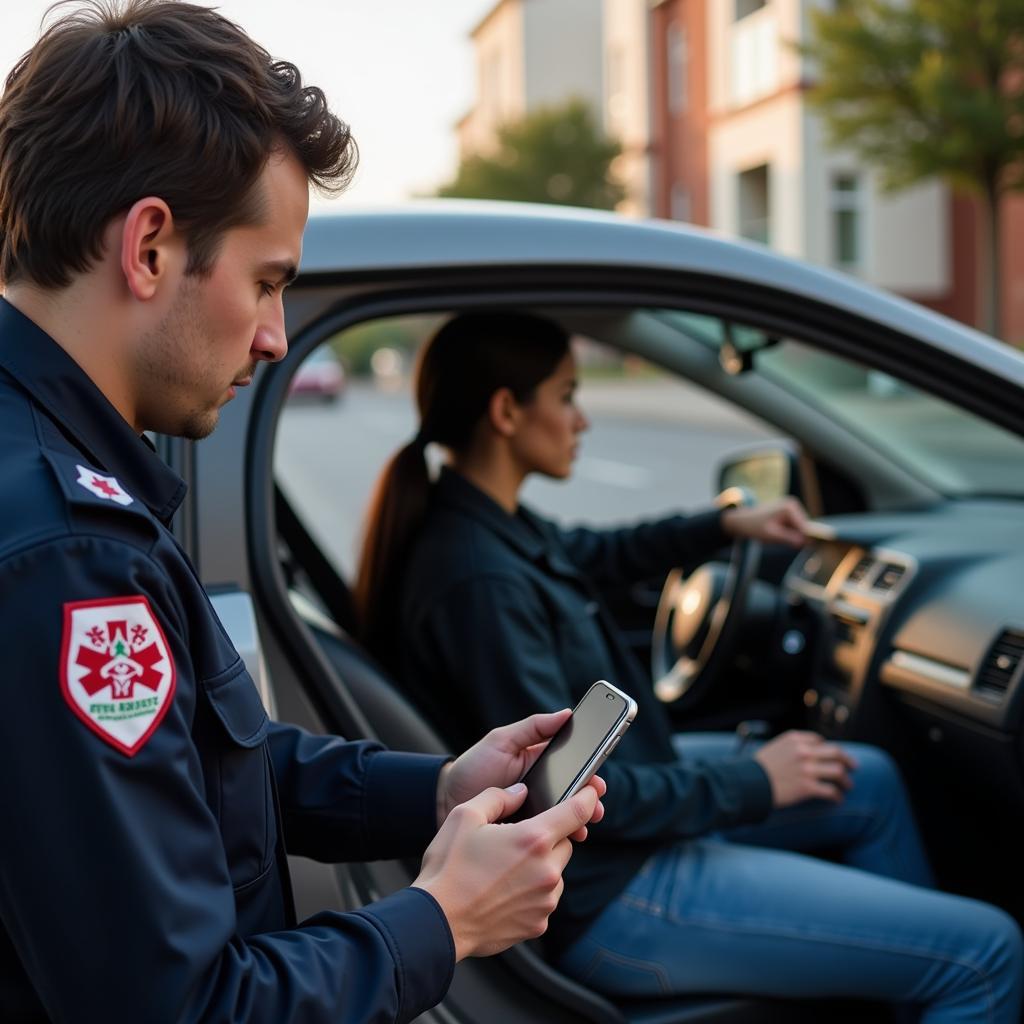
(653, 448)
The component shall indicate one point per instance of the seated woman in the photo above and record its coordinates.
(698, 879)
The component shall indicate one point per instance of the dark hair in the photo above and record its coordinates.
(470, 358)
(120, 99)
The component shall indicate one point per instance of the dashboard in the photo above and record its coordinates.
(924, 607)
(914, 634)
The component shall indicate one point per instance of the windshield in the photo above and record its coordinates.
(954, 451)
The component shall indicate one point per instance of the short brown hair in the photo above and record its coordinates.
(120, 99)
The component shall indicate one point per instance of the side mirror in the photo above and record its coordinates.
(766, 472)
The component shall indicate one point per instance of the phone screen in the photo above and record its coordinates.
(596, 717)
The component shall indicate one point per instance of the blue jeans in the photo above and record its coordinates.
(746, 911)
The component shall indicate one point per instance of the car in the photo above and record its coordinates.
(320, 376)
(900, 624)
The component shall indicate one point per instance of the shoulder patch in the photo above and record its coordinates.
(85, 486)
(105, 487)
(116, 670)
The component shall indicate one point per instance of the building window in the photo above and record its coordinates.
(754, 221)
(678, 61)
(745, 7)
(679, 203)
(845, 207)
(754, 49)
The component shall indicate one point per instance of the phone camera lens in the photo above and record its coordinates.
(609, 696)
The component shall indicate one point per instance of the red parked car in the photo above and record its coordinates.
(320, 376)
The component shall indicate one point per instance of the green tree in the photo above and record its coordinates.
(929, 88)
(554, 155)
(405, 334)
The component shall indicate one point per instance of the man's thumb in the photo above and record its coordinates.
(513, 798)
(496, 804)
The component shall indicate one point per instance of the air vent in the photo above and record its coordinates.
(890, 575)
(1002, 662)
(860, 571)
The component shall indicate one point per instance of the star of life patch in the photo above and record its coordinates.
(116, 670)
(105, 487)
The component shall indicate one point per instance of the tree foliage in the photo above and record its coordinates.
(553, 155)
(927, 88)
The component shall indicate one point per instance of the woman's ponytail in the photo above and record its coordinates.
(470, 357)
(395, 514)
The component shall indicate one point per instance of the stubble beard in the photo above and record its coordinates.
(170, 362)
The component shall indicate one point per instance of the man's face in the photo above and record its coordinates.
(223, 324)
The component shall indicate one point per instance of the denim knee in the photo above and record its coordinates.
(873, 761)
(998, 956)
(878, 773)
(1006, 943)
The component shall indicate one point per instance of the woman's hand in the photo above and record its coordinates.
(804, 766)
(777, 522)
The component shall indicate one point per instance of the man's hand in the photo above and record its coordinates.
(802, 766)
(499, 759)
(777, 522)
(498, 883)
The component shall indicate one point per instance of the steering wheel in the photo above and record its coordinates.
(697, 624)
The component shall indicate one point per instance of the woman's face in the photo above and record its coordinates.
(547, 437)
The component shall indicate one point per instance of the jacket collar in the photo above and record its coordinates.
(67, 395)
(455, 491)
(526, 532)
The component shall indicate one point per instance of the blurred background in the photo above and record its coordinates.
(882, 138)
(400, 73)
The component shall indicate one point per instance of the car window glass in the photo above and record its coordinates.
(956, 452)
(654, 444)
(959, 453)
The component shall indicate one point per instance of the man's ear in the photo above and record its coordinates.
(503, 412)
(149, 245)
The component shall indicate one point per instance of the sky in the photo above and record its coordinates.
(399, 71)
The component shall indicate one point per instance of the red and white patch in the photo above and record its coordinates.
(116, 670)
(105, 487)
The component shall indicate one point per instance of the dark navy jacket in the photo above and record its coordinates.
(142, 855)
(502, 617)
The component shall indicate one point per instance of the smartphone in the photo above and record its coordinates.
(578, 749)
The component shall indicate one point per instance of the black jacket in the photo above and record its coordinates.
(501, 617)
(146, 797)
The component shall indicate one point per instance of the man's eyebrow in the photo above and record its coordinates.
(286, 270)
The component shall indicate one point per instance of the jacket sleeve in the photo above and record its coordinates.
(114, 881)
(634, 553)
(491, 634)
(352, 801)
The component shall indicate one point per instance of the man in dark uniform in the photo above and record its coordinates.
(154, 173)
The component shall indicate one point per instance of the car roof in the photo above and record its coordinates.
(459, 233)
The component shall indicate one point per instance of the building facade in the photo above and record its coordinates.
(708, 99)
(531, 54)
(738, 146)
(626, 41)
(735, 147)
